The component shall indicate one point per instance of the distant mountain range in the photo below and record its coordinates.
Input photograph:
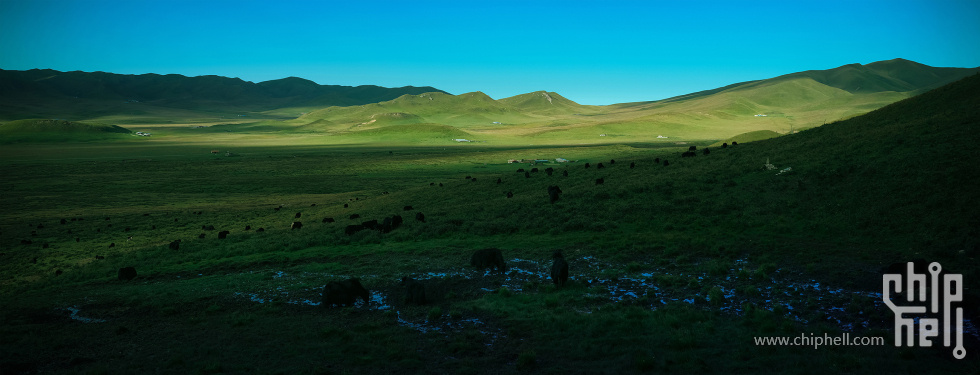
(43, 93)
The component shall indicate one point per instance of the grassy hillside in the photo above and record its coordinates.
(673, 268)
(95, 95)
(36, 131)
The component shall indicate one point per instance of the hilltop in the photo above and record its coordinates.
(85, 95)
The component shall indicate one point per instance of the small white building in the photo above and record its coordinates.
(462, 140)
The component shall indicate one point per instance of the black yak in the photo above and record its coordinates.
(354, 216)
(564, 173)
(549, 170)
(724, 145)
(351, 229)
(632, 165)
(527, 175)
(554, 192)
(370, 224)
(534, 170)
(408, 208)
(498, 180)
(734, 143)
(706, 151)
(224, 234)
(587, 165)
(599, 181)
(485, 258)
(328, 220)
(689, 154)
(420, 217)
(612, 161)
(343, 293)
(298, 214)
(559, 269)
(202, 235)
(127, 273)
(599, 166)
(510, 194)
(296, 225)
(414, 290)
(520, 170)
(692, 148)
(175, 245)
(666, 163)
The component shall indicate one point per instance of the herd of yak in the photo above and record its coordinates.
(346, 292)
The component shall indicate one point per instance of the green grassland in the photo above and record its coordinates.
(675, 268)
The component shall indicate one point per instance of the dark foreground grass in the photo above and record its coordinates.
(717, 241)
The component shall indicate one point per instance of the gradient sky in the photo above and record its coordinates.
(592, 52)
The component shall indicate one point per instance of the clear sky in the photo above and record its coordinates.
(592, 52)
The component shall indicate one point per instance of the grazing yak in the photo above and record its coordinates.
(554, 192)
(734, 143)
(510, 194)
(354, 228)
(260, 230)
(248, 227)
(549, 170)
(599, 166)
(344, 293)
(520, 170)
(328, 220)
(498, 180)
(612, 161)
(485, 258)
(706, 151)
(666, 163)
(202, 235)
(689, 154)
(600, 181)
(559, 269)
(564, 173)
(632, 165)
(527, 174)
(657, 160)
(127, 273)
(414, 290)
(692, 148)
(224, 234)
(370, 224)
(354, 216)
(298, 214)
(408, 208)
(296, 225)
(175, 245)
(420, 217)
(724, 145)
(587, 165)
(534, 170)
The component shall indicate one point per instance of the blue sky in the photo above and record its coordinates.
(592, 52)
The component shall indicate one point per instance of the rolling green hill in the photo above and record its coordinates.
(58, 131)
(82, 95)
(778, 105)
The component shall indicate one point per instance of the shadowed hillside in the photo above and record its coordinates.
(79, 95)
